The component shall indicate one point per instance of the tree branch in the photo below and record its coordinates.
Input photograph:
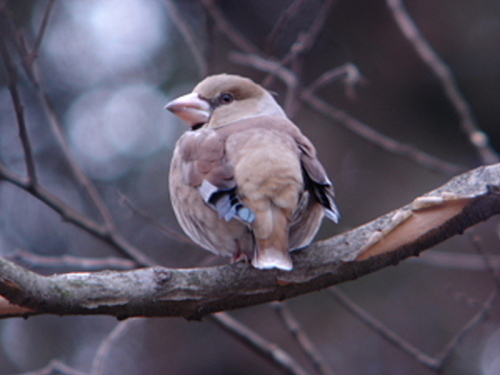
(194, 293)
(384, 330)
(259, 344)
(299, 335)
(444, 75)
(186, 29)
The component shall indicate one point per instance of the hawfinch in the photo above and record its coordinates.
(244, 181)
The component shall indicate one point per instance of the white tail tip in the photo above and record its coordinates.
(273, 258)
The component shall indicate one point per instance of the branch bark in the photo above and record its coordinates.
(193, 293)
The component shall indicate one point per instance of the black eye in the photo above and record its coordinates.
(226, 98)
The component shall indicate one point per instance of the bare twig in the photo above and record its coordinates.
(482, 313)
(463, 298)
(350, 74)
(384, 142)
(72, 216)
(384, 330)
(228, 29)
(305, 343)
(295, 57)
(67, 261)
(487, 260)
(106, 232)
(41, 33)
(470, 262)
(18, 107)
(180, 237)
(447, 80)
(354, 125)
(278, 28)
(187, 32)
(109, 343)
(258, 344)
(435, 363)
(55, 126)
(479, 317)
(55, 366)
(304, 43)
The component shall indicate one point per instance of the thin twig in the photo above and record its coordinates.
(74, 217)
(481, 314)
(447, 80)
(456, 261)
(56, 127)
(384, 142)
(180, 237)
(187, 32)
(302, 339)
(107, 232)
(18, 108)
(67, 261)
(228, 29)
(487, 260)
(55, 367)
(278, 28)
(41, 33)
(479, 317)
(463, 298)
(295, 57)
(350, 74)
(305, 41)
(258, 344)
(110, 342)
(384, 331)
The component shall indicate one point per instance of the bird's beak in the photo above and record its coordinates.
(191, 108)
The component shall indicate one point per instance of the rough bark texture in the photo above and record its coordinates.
(193, 293)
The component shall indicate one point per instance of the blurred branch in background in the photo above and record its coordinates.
(435, 363)
(108, 344)
(259, 344)
(298, 333)
(188, 32)
(443, 73)
(294, 43)
(107, 231)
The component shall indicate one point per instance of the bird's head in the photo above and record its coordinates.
(222, 99)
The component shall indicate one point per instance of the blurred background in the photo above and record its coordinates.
(108, 67)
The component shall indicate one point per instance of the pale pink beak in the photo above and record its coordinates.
(191, 108)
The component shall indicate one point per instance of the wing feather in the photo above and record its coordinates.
(206, 168)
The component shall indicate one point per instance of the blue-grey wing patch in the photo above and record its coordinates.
(226, 202)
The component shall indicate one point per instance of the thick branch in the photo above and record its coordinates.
(193, 293)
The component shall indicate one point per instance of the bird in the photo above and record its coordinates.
(244, 181)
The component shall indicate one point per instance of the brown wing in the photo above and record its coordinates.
(316, 179)
(206, 168)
